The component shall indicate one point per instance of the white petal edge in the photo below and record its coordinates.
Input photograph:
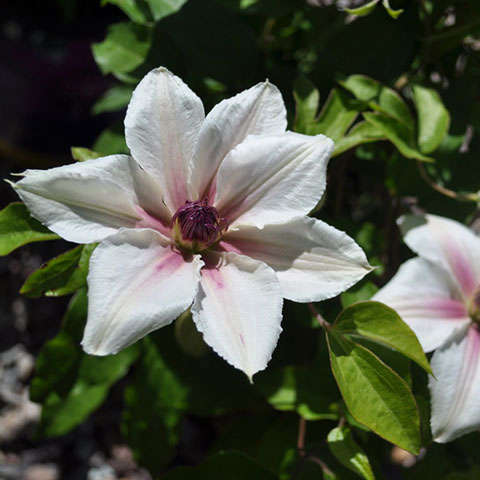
(313, 261)
(272, 179)
(136, 284)
(83, 202)
(259, 110)
(428, 300)
(239, 310)
(447, 243)
(455, 390)
(161, 127)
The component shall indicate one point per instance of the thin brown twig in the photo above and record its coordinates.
(317, 315)
(465, 197)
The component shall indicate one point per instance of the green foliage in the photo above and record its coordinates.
(125, 48)
(388, 89)
(433, 118)
(70, 384)
(80, 154)
(347, 451)
(17, 228)
(375, 321)
(374, 394)
(61, 275)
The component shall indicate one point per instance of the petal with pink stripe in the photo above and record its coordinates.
(447, 243)
(136, 285)
(455, 390)
(239, 310)
(427, 299)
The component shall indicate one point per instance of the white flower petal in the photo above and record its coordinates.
(83, 202)
(239, 310)
(455, 392)
(313, 261)
(447, 243)
(136, 285)
(259, 110)
(427, 299)
(161, 127)
(272, 179)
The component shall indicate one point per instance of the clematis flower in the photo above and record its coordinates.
(438, 296)
(208, 212)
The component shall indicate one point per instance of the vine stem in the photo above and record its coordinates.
(469, 197)
(323, 323)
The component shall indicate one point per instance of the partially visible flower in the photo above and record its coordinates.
(208, 212)
(438, 295)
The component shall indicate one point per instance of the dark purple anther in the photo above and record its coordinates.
(197, 225)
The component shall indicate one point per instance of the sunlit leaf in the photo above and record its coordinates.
(80, 154)
(397, 133)
(125, 47)
(17, 228)
(346, 450)
(307, 99)
(393, 13)
(374, 394)
(433, 118)
(364, 9)
(338, 113)
(362, 132)
(377, 322)
(61, 275)
(113, 99)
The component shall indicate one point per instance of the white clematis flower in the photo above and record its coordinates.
(208, 212)
(438, 295)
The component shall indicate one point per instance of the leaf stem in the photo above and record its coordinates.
(323, 323)
(465, 197)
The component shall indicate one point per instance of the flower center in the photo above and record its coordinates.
(197, 225)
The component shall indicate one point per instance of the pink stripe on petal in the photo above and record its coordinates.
(461, 268)
(149, 221)
(468, 371)
(445, 308)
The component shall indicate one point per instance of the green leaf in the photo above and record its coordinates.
(364, 9)
(95, 377)
(338, 113)
(307, 99)
(347, 451)
(61, 275)
(17, 228)
(113, 99)
(163, 8)
(58, 360)
(379, 97)
(124, 48)
(362, 132)
(80, 154)
(397, 133)
(375, 395)
(226, 466)
(377, 322)
(291, 389)
(393, 13)
(357, 294)
(111, 141)
(433, 118)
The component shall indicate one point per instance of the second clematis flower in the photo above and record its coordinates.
(438, 295)
(208, 212)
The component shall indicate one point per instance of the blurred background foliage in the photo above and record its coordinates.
(395, 84)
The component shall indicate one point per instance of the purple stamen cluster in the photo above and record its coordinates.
(199, 222)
